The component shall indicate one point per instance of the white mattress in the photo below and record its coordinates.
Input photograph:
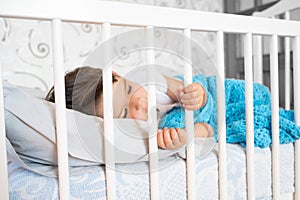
(133, 180)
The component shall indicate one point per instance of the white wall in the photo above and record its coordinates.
(26, 50)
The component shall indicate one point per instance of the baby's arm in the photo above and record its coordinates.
(174, 138)
(192, 97)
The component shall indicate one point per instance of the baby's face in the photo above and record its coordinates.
(129, 100)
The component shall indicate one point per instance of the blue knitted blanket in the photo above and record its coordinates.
(235, 113)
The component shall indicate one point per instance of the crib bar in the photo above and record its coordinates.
(108, 114)
(221, 117)
(60, 107)
(249, 115)
(138, 15)
(296, 69)
(258, 59)
(287, 71)
(152, 114)
(275, 115)
(297, 168)
(189, 119)
(3, 157)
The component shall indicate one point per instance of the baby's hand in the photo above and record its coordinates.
(171, 138)
(193, 96)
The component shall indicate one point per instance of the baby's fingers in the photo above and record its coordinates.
(192, 107)
(160, 139)
(167, 139)
(181, 135)
(197, 101)
(175, 138)
(194, 97)
(171, 138)
(192, 87)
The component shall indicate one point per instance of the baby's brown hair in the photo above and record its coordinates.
(83, 88)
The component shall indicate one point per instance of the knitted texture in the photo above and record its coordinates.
(235, 114)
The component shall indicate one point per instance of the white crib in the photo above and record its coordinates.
(123, 14)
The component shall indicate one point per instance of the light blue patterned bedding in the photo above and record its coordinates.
(24, 184)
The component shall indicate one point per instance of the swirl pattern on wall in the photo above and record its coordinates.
(27, 47)
(5, 30)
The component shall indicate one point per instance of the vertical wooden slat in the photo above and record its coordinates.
(249, 115)
(287, 71)
(152, 116)
(296, 69)
(221, 117)
(108, 113)
(258, 59)
(3, 157)
(275, 115)
(189, 119)
(60, 108)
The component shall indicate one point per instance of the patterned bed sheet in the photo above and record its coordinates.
(132, 180)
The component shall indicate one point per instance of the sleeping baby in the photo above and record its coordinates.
(84, 93)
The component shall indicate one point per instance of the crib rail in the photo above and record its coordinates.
(250, 115)
(116, 13)
(60, 105)
(125, 14)
(108, 116)
(287, 70)
(153, 154)
(221, 117)
(275, 115)
(189, 118)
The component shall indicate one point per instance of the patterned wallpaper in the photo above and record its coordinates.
(26, 50)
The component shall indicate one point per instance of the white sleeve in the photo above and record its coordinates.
(161, 83)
